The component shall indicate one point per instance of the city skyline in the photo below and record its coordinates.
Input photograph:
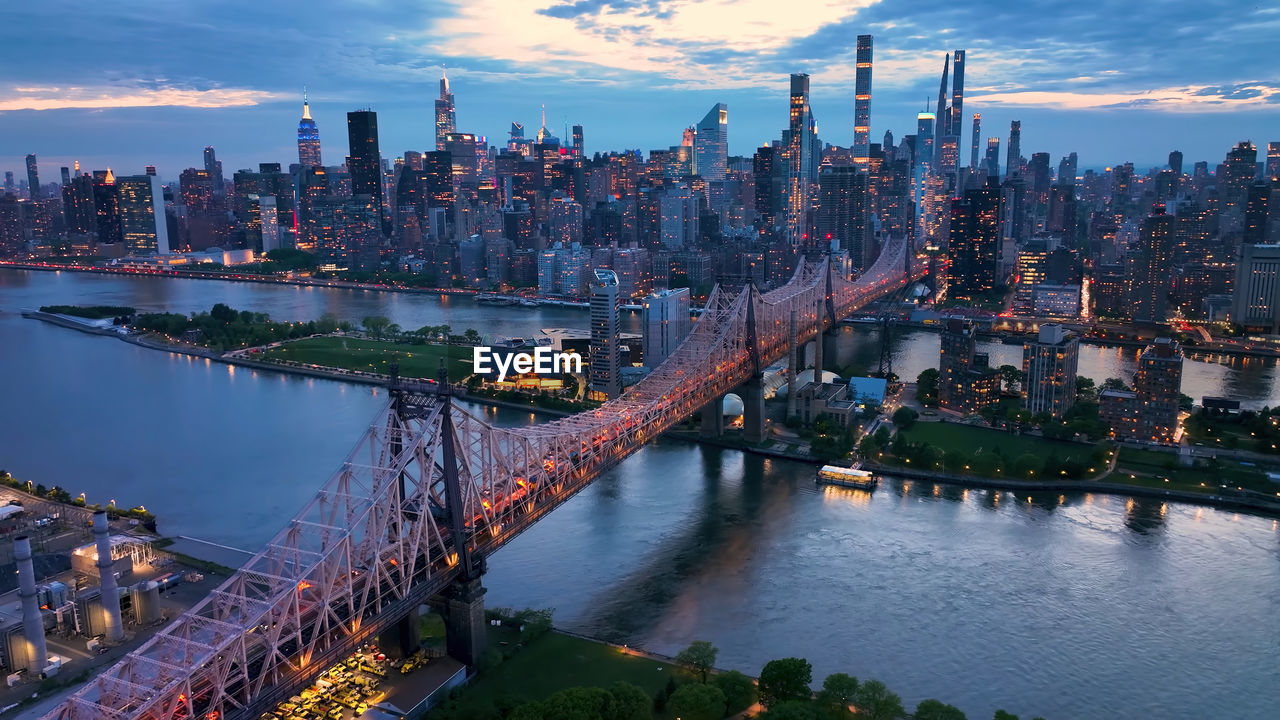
(1115, 84)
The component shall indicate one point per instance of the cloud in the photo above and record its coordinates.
(1186, 99)
(99, 98)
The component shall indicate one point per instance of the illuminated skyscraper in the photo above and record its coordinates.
(605, 378)
(33, 178)
(1150, 278)
(1238, 171)
(577, 141)
(975, 240)
(976, 142)
(943, 126)
(1013, 161)
(106, 205)
(862, 102)
(365, 161)
(798, 148)
(993, 157)
(1273, 160)
(308, 137)
(445, 115)
(711, 144)
(142, 218)
(956, 125)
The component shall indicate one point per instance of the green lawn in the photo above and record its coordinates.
(417, 361)
(1152, 468)
(970, 439)
(555, 661)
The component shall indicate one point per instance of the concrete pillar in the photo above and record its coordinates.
(713, 418)
(113, 628)
(793, 369)
(32, 622)
(753, 425)
(466, 630)
(402, 639)
(817, 343)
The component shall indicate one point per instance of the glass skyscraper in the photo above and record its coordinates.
(711, 144)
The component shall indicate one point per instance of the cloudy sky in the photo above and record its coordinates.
(125, 84)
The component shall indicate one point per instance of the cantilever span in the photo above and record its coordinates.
(427, 492)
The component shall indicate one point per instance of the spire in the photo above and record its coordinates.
(444, 80)
(306, 107)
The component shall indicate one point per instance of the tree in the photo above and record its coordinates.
(327, 323)
(904, 417)
(224, 314)
(875, 701)
(629, 702)
(375, 325)
(937, 710)
(867, 447)
(700, 657)
(1004, 715)
(785, 679)
(393, 330)
(837, 693)
(792, 710)
(577, 703)
(955, 460)
(927, 387)
(1011, 376)
(739, 690)
(696, 701)
(1086, 388)
(1027, 465)
(1114, 384)
(471, 336)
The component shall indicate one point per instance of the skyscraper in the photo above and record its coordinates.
(1273, 160)
(956, 125)
(106, 204)
(1150, 279)
(711, 143)
(1067, 169)
(1158, 387)
(843, 215)
(1256, 304)
(33, 178)
(577, 141)
(943, 126)
(142, 218)
(308, 137)
(605, 379)
(666, 323)
(445, 120)
(1175, 162)
(975, 239)
(365, 161)
(1238, 171)
(862, 102)
(213, 166)
(993, 157)
(798, 148)
(1050, 363)
(976, 142)
(1013, 160)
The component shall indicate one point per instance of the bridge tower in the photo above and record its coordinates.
(886, 338)
(793, 366)
(753, 421)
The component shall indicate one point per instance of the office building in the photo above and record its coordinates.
(843, 218)
(578, 147)
(711, 144)
(799, 143)
(142, 218)
(666, 323)
(33, 178)
(445, 112)
(862, 101)
(976, 142)
(365, 160)
(106, 205)
(1013, 160)
(993, 157)
(1049, 365)
(1237, 173)
(1272, 170)
(605, 376)
(966, 383)
(308, 138)
(1256, 304)
(213, 166)
(1150, 269)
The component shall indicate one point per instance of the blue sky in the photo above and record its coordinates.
(125, 84)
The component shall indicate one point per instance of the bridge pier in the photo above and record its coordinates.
(793, 368)
(753, 425)
(712, 418)
(466, 631)
(402, 639)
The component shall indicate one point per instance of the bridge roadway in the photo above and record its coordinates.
(426, 494)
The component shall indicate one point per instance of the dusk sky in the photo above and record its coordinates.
(128, 84)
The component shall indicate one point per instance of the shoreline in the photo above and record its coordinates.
(1266, 509)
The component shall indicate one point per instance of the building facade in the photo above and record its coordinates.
(1049, 365)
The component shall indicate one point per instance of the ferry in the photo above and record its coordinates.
(496, 299)
(850, 477)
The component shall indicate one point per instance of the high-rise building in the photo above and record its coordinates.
(1238, 171)
(66, 175)
(768, 174)
(966, 381)
(213, 166)
(142, 219)
(33, 178)
(577, 141)
(1175, 162)
(992, 160)
(605, 378)
(955, 125)
(1067, 169)
(364, 161)
(1150, 268)
(308, 138)
(1013, 160)
(1273, 160)
(943, 128)
(445, 112)
(1049, 364)
(106, 205)
(862, 102)
(843, 218)
(1256, 303)
(1262, 201)
(711, 144)
(798, 149)
(77, 206)
(1158, 387)
(666, 323)
(976, 142)
(975, 240)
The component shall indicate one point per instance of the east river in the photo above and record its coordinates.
(1074, 607)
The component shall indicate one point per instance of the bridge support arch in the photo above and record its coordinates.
(466, 632)
(712, 418)
(753, 422)
(403, 638)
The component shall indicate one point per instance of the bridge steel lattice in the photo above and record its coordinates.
(429, 491)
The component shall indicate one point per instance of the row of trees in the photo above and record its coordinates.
(380, 326)
(225, 328)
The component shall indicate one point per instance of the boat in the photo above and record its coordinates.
(495, 299)
(526, 302)
(850, 477)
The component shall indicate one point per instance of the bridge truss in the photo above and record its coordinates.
(429, 491)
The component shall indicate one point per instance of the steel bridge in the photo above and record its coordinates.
(426, 494)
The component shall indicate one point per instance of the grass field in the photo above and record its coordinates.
(417, 361)
(554, 662)
(1151, 468)
(970, 439)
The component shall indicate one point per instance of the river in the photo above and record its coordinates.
(1082, 606)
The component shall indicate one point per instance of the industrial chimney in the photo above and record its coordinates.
(113, 628)
(32, 622)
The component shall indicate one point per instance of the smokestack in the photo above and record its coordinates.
(114, 629)
(32, 622)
